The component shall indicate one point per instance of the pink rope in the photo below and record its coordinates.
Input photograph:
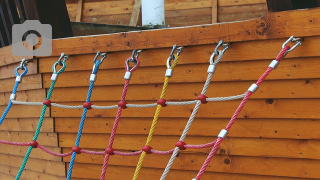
(53, 153)
(117, 119)
(14, 143)
(280, 56)
(93, 152)
(200, 146)
(162, 152)
(127, 153)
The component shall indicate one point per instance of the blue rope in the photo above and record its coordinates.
(13, 92)
(83, 117)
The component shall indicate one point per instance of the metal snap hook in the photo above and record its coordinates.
(103, 56)
(216, 51)
(134, 60)
(135, 54)
(171, 57)
(64, 56)
(22, 66)
(292, 39)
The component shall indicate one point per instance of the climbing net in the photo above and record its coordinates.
(172, 61)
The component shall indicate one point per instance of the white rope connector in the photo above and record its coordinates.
(253, 88)
(223, 133)
(211, 68)
(93, 77)
(274, 64)
(18, 79)
(169, 72)
(12, 97)
(127, 75)
(54, 77)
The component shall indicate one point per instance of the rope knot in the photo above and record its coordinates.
(87, 105)
(181, 145)
(162, 102)
(34, 144)
(122, 104)
(76, 149)
(147, 149)
(202, 98)
(110, 151)
(47, 103)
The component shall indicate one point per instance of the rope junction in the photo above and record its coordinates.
(147, 149)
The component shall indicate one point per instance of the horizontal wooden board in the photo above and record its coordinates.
(278, 108)
(36, 95)
(239, 13)
(239, 51)
(256, 128)
(180, 92)
(288, 148)
(7, 57)
(117, 19)
(36, 153)
(7, 71)
(93, 171)
(27, 174)
(27, 124)
(299, 168)
(27, 83)
(45, 139)
(269, 27)
(231, 71)
(25, 111)
(37, 165)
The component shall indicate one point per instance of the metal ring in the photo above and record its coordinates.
(135, 61)
(171, 57)
(64, 56)
(55, 66)
(292, 39)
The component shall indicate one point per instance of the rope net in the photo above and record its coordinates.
(147, 149)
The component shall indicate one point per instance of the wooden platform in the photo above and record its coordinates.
(275, 137)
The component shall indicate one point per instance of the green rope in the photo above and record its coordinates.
(26, 157)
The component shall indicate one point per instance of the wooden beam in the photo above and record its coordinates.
(214, 11)
(272, 26)
(135, 13)
(79, 11)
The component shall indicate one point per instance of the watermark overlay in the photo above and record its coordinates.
(31, 31)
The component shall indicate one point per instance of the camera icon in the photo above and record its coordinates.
(30, 31)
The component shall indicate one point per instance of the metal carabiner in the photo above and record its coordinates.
(216, 52)
(64, 56)
(23, 64)
(103, 56)
(292, 39)
(171, 57)
(135, 54)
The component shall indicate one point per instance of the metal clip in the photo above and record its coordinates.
(22, 66)
(58, 63)
(103, 56)
(171, 57)
(292, 39)
(135, 54)
(216, 52)
(64, 56)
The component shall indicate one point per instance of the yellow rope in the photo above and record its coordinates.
(155, 119)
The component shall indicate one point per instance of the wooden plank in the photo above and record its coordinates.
(214, 11)
(243, 12)
(24, 111)
(297, 168)
(114, 7)
(36, 153)
(270, 90)
(208, 34)
(37, 95)
(117, 19)
(27, 124)
(253, 128)
(231, 71)
(45, 139)
(28, 83)
(8, 58)
(188, 20)
(8, 70)
(93, 171)
(233, 146)
(278, 108)
(37, 165)
(135, 13)
(79, 11)
(27, 174)
(237, 2)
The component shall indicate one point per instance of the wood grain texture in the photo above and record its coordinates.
(27, 125)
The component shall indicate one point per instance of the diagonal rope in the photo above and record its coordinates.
(26, 157)
(191, 118)
(83, 118)
(155, 119)
(117, 119)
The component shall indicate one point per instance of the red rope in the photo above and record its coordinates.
(280, 56)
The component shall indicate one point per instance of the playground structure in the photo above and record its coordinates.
(277, 126)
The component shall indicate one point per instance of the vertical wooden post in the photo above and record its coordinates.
(79, 11)
(214, 11)
(136, 13)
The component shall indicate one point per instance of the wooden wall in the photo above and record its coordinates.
(21, 123)
(178, 12)
(275, 137)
